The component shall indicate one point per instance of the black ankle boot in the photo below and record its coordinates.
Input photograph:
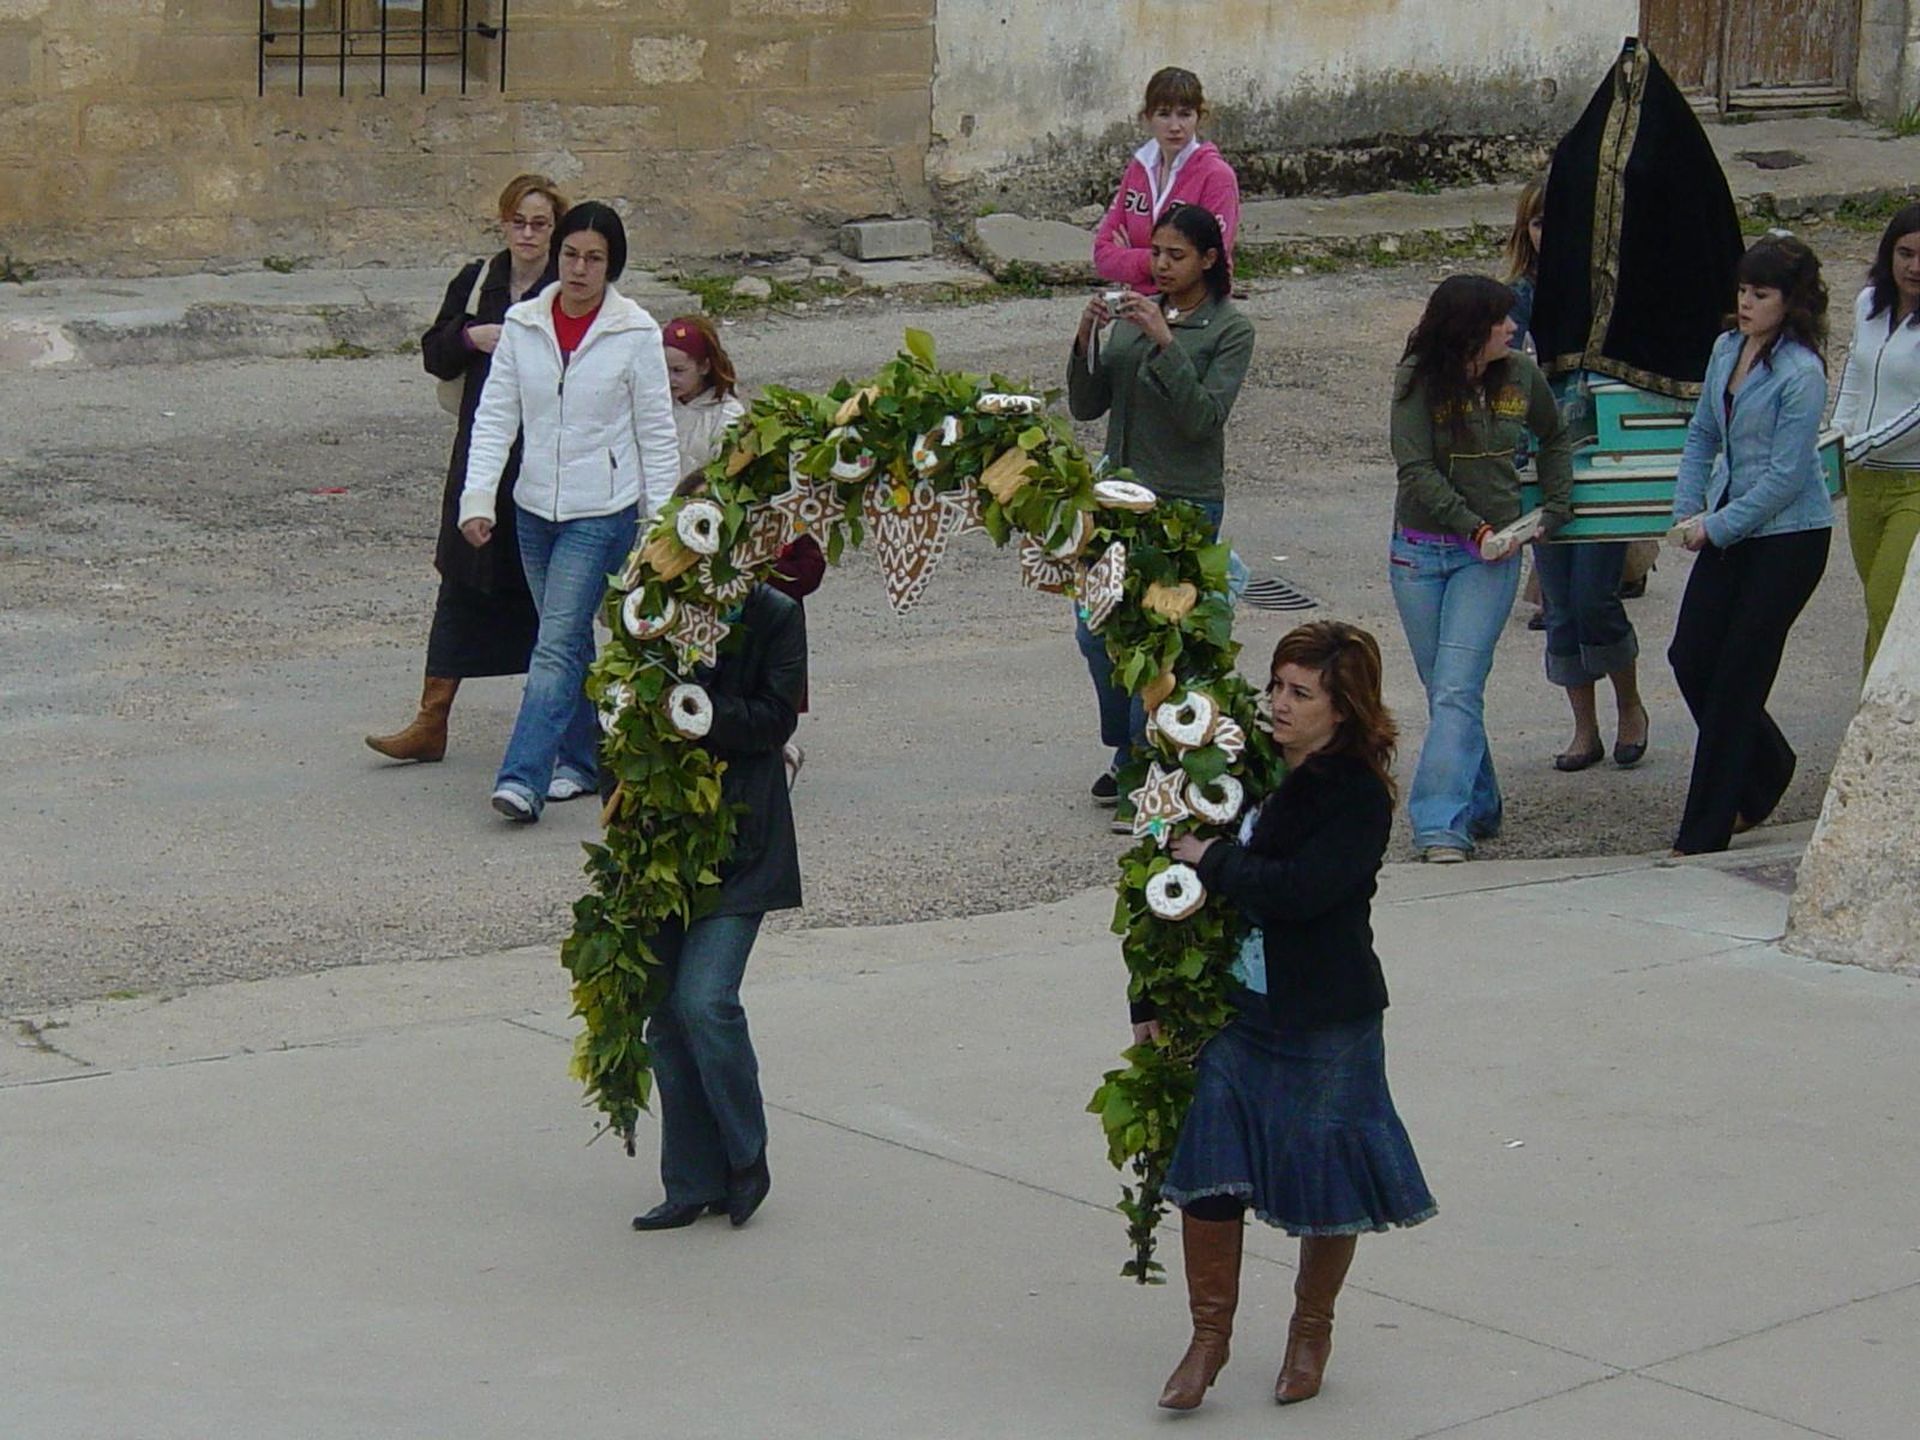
(746, 1189)
(669, 1216)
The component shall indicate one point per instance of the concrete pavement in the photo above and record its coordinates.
(1675, 1169)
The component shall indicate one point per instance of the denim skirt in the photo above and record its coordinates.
(1299, 1124)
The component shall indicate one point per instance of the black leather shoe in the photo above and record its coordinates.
(746, 1189)
(669, 1216)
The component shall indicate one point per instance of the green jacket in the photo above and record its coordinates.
(1167, 409)
(1453, 485)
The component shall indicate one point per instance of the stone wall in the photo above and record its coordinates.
(1888, 82)
(133, 139)
(1857, 900)
(1035, 98)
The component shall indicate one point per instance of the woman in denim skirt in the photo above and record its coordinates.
(1751, 504)
(1291, 1114)
(1462, 402)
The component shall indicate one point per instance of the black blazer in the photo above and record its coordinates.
(756, 692)
(1307, 880)
(493, 568)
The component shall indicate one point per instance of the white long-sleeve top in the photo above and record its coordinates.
(1879, 406)
(700, 424)
(599, 427)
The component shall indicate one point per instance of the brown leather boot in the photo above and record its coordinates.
(1213, 1293)
(1323, 1270)
(426, 737)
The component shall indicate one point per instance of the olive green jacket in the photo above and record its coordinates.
(1455, 482)
(1167, 409)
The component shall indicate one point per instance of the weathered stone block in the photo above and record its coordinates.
(776, 62)
(886, 239)
(567, 64)
(667, 59)
(1048, 249)
(790, 9)
(17, 49)
(862, 57)
(205, 65)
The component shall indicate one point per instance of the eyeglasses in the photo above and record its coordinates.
(531, 227)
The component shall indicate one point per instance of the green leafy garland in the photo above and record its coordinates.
(829, 464)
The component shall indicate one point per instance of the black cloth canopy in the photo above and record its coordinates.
(1641, 240)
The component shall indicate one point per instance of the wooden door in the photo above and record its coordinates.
(1756, 54)
(1791, 52)
(1686, 37)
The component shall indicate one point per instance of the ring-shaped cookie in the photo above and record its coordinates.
(698, 525)
(1225, 810)
(1123, 495)
(859, 467)
(1175, 893)
(1187, 721)
(994, 402)
(642, 626)
(690, 710)
(619, 700)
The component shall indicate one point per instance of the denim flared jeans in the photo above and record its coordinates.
(1453, 606)
(712, 1118)
(567, 564)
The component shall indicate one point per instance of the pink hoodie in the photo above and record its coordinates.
(1200, 177)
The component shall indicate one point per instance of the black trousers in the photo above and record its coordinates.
(1732, 629)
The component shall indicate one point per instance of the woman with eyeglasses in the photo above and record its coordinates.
(580, 369)
(483, 618)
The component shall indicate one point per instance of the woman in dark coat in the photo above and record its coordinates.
(1291, 1114)
(713, 1124)
(484, 621)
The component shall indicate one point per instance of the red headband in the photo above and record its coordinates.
(686, 338)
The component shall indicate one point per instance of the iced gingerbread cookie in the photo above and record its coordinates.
(1175, 893)
(1188, 721)
(862, 464)
(619, 701)
(1123, 495)
(690, 710)
(1222, 811)
(995, 402)
(642, 626)
(698, 525)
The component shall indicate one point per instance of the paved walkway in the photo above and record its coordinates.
(1675, 1166)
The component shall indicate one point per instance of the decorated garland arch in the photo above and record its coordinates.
(907, 463)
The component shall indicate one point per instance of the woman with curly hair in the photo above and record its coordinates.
(1751, 503)
(1463, 401)
(1291, 1114)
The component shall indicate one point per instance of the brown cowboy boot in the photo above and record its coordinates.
(1323, 1269)
(426, 737)
(1213, 1293)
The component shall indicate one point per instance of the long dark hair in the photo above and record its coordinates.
(1886, 294)
(1200, 228)
(1347, 660)
(1784, 263)
(1460, 315)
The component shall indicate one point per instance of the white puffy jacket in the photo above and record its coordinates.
(599, 429)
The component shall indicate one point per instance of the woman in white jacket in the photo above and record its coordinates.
(579, 372)
(1879, 414)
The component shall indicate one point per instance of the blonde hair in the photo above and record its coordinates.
(1523, 256)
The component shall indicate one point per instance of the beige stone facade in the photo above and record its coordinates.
(134, 139)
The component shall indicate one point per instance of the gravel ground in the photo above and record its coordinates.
(196, 632)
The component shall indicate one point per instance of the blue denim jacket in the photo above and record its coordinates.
(1767, 462)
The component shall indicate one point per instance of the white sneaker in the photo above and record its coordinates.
(514, 805)
(565, 787)
(1443, 855)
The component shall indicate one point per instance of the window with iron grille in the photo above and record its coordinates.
(382, 44)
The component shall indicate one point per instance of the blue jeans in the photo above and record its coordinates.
(1123, 720)
(1453, 606)
(712, 1119)
(1588, 633)
(567, 564)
